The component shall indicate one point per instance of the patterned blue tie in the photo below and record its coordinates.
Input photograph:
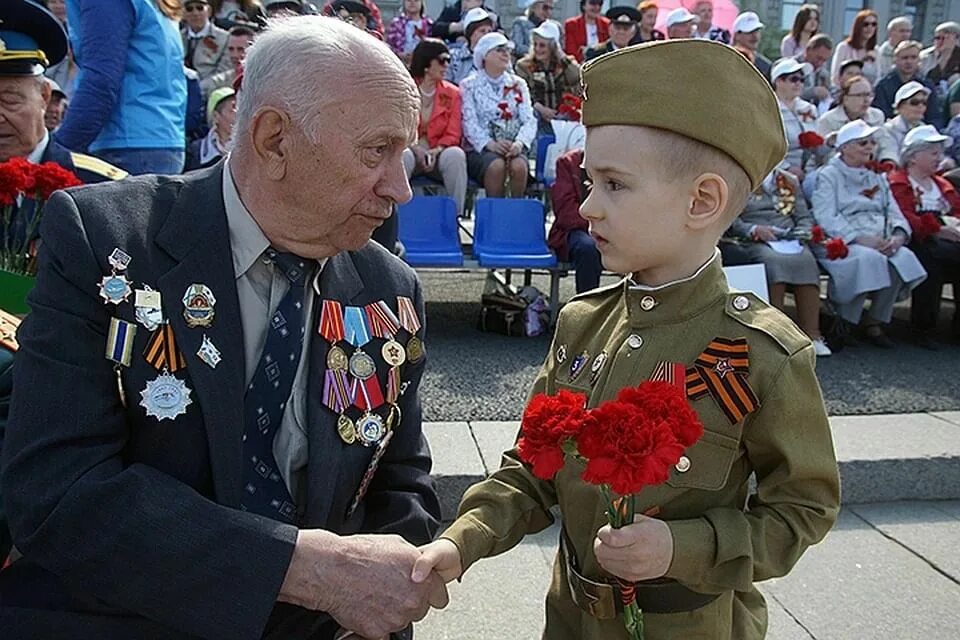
(264, 491)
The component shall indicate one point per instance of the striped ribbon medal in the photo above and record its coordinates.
(411, 322)
(166, 396)
(721, 371)
(162, 352)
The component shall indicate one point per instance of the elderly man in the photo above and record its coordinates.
(906, 67)
(216, 430)
(681, 24)
(898, 30)
(816, 82)
(705, 27)
(205, 45)
(941, 62)
(623, 28)
(747, 31)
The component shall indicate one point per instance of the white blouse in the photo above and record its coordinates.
(482, 97)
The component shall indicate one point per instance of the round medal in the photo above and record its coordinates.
(414, 350)
(370, 429)
(165, 397)
(346, 429)
(393, 354)
(115, 289)
(198, 304)
(337, 359)
(362, 366)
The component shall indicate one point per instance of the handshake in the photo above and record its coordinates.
(372, 585)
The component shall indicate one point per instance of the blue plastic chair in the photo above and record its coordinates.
(429, 233)
(542, 143)
(509, 234)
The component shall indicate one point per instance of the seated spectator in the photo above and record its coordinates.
(859, 45)
(549, 73)
(623, 31)
(221, 112)
(911, 104)
(799, 118)
(777, 213)
(806, 24)
(353, 12)
(898, 30)
(816, 82)
(570, 235)
(853, 203)
(478, 24)
(705, 28)
(855, 98)
(498, 121)
(56, 106)
(205, 45)
(369, 20)
(408, 29)
(586, 30)
(681, 24)
(747, 31)
(533, 17)
(906, 66)
(648, 19)
(941, 62)
(437, 152)
(228, 14)
(932, 206)
(451, 25)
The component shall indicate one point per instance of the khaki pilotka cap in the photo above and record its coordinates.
(700, 89)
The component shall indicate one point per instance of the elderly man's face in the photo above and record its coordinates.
(944, 40)
(907, 62)
(23, 102)
(621, 33)
(898, 34)
(195, 15)
(817, 57)
(682, 30)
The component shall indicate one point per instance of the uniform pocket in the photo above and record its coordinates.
(708, 463)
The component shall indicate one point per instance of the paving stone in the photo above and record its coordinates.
(456, 462)
(494, 438)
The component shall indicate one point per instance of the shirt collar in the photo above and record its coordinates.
(247, 242)
(203, 33)
(37, 154)
(678, 300)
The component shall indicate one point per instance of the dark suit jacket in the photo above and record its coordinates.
(885, 92)
(126, 520)
(598, 50)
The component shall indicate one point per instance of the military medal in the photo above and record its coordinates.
(165, 397)
(346, 429)
(384, 324)
(336, 388)
(361, 365)
(147, 307)
(198, 303)
(208, 352)
(119, 259)
(162, 352)
(414, 350)
(597, 366)
(369, 473)
(115, 288)
(409, 321)
(370, 429)
(366, 394)
(337, 359)
(120, 341)
(577, 365)
(393, 385)
(357, 329)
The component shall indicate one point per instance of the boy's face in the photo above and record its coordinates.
(637, 215)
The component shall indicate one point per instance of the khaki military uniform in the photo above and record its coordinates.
(721, 547)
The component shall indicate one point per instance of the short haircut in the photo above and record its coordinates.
(820, 41)
(426, 51)
(907, 44)
(243, 30)
(685, 158)
(899, 21)
(849, 82)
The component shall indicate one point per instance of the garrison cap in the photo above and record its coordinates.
(31, 39)
(656, 84)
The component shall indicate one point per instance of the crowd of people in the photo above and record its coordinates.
(873, 126)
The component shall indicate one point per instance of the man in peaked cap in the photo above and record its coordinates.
(623, 29)
(666, 183)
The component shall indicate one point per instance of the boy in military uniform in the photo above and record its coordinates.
(667, 181)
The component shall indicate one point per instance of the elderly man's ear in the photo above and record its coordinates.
(272, 142)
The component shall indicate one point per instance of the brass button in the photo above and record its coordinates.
(741, 303)
(634, 341)
(647, 303)
(683, 465)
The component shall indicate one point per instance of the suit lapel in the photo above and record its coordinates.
(339, 281)
(196, 236)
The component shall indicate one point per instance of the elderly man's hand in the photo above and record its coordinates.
(334, 573)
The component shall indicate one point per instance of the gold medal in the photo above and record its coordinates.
(393, 354)
(337, 359)
(414, 350)
(346, 429)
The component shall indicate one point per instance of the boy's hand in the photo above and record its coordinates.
(639, 551)
(441, 556)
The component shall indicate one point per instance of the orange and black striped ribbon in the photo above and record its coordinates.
(721, 370)
(162, 352)
(673, 373)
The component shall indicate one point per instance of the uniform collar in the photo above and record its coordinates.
(679, 300)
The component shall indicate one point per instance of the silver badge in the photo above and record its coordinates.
(165, 397)
(115, 289)
(362, 366)
(209, 353)
(119, 259)
(370, 429)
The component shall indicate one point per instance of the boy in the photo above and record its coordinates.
(671, 168)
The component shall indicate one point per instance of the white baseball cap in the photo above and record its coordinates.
(852, 131)
(679, 16)
(786, 67)
(548, 30)
(747, 22)
(925, 134)
(477, 14)
(909, 90)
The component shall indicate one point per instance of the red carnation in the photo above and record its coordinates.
(16, 179)
(502, 105)
(51, 177)
(836, 248)
(548, 423)
(666, 406)
(817, 235)
(810, 140)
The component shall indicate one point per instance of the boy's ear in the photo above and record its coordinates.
(710, 195)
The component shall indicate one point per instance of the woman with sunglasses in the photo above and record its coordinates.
(549, 73)
(798, 115)
(437, 152)
(911, 105)
(861, 44)
(854, 203)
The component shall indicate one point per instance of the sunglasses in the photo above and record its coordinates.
(795, 79)
(444, 58)
(917, 102)
(502, 49)
(869, 24)
(195, 8)
(866, 142)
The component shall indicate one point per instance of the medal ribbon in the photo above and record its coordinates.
(721, 370)
(120, 341)
(383, 322)
(393, 385)
(331, 321)
(368, 475)
(162, 352)
(357, 327)
(673, 373)
(370, 396)
(408, 315)
(336, 394)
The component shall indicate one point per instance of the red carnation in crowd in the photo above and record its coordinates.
(50, 177)
(548, 423)
(810, 140)
(817, 235)
(836, 248)
(16, 179)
